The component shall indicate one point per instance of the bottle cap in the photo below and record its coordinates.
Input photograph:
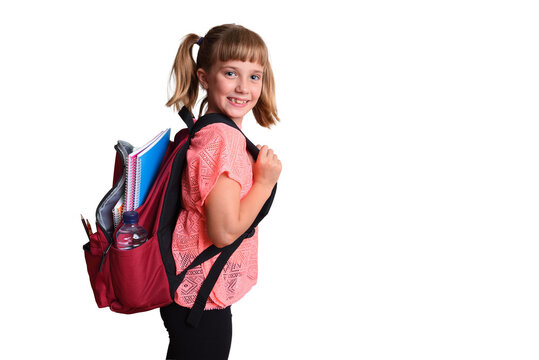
(130, 217)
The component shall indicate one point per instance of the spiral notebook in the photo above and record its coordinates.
(142, 166)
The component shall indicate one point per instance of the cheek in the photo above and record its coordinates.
(225, 89)
(220, 86)
(218, 93)
(257, 92)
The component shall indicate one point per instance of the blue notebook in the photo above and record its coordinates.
(147, 166)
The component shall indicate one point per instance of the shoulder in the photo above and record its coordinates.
(219, 133)
(220, 129)
(215, 149)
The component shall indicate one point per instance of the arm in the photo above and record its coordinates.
(228, 216)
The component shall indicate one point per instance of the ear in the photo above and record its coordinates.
(202, 78)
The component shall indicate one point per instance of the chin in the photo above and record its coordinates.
(236, 113)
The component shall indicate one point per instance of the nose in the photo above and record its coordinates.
(241, 86)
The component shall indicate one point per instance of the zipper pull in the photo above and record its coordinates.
(103, 257)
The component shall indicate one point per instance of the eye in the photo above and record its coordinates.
(255, 77)
(230, 73)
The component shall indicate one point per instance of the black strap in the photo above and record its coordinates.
(204, 292)
(204, 256)
(220, 118)
(187, 117)
(213, 118)
(227, 251)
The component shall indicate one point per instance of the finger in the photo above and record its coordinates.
(258, 146)
(263, 151)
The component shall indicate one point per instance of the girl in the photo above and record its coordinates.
(223, 188)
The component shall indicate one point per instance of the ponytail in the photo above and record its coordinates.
(184, 73)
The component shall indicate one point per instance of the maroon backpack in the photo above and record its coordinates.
(144, 278)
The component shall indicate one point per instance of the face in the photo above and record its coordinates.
(233, 87)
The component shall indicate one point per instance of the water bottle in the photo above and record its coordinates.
(131, 234)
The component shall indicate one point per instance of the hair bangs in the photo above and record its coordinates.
(242, 44)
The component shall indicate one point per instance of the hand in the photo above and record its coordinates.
(267, 167)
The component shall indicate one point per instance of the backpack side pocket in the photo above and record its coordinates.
(98, 266)
(139, 278)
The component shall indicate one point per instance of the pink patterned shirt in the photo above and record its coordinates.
(214, 150)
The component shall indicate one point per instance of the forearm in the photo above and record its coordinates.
(251, 205)
(228, 217)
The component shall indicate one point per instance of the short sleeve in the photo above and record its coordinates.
(219, 150)
(214, 150)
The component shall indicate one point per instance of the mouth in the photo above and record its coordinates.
(237, 101)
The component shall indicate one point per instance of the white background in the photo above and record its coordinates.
(405, 225)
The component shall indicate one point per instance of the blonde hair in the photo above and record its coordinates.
(222, 43)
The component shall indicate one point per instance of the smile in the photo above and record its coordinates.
(237, 101)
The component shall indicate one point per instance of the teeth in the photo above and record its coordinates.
(238, 101)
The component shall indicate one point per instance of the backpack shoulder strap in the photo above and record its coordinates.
(209, 119)
(187, 117)
(253, 150)
(226, 252)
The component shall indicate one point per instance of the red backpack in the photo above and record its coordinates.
(144, 278)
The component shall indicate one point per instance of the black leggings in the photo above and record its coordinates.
(210, 340)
